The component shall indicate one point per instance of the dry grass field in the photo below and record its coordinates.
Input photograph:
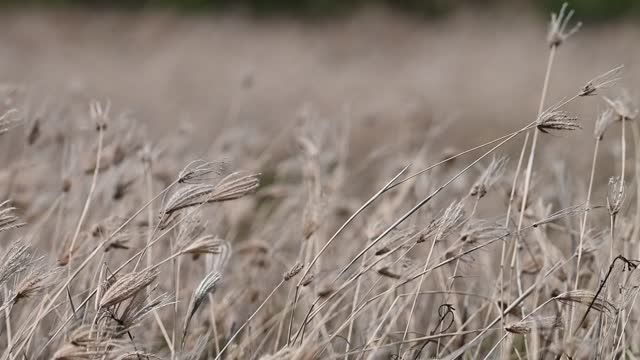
(371, 187)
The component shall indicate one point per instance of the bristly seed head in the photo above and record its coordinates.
(127, 286)
(615, 195)
(623, 107)
(525, 326)
(603, 122)
(295, 270)
(493, 172)
(8, 220)
(206, 286)
(557, 120)
(588, 298)
(100, 114)
(480, 230)
(15, 260)
(558, 31)
(602, 81)
(233, 186)
(200, 170)
(36, 281)
(9, 120)
(308, 279)
(207, 244)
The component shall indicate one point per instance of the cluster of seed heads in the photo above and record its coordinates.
(557, 120)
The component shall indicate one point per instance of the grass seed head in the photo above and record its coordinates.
(198, 171)
(127, 286)
(15, 260)
(206, 286)
(139, 307)
(34, 283)
(602, 81)
(207, 244)
(493, 172)
(586, 298)
(623, 106)
(9, 120)
(616, 194)
(557, 120)
(604, 120)
(524, 327)
(558, 31)
(8, 220)
(235, 186)
(295, 270)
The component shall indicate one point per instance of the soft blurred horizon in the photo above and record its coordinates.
(476, 70)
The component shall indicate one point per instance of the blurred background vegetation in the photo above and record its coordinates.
(602, 10)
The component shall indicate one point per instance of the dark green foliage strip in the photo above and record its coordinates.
(585, 9)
